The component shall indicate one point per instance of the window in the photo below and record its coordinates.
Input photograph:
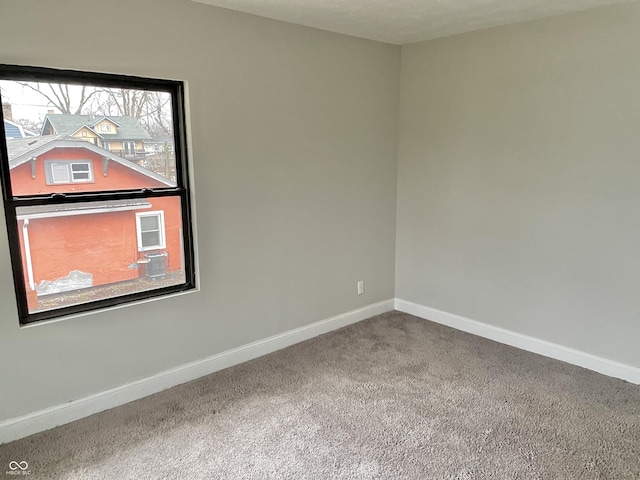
(89, 228)
(150, 228)
(129, 148)
(105, 128)
(84, 133)
(57, 171)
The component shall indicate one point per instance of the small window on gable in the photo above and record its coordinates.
(66, 171)
(105, 127)
(84, 133)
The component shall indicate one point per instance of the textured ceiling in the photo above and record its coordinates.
(405, 21)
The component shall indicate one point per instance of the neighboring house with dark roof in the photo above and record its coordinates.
(13, 130)
(122, 135)
(127, 239)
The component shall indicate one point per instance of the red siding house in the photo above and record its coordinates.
(78, 245)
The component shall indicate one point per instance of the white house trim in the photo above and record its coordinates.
(159, 214)
(47, 418)
(524, 342)
(88, 211)
(27, 253)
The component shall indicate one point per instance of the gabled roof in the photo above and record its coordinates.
(24, 149)
(64, 123)
(99, 119)
(91, 129)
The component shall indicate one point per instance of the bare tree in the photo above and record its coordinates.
(127, 102)
(62, 97)
(152, 109)
(159, 116)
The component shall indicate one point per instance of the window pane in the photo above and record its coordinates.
(149, 223)
(80, 167)
(129, 151)
(82, 252)
(60, 173)
(103, 139)
(150, 239)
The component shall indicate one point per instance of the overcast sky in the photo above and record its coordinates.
(25, 103)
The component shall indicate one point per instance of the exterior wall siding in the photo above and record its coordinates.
(102, 244)
(118, 176)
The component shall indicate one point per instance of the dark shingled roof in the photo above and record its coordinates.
(17, 147)
(128, 127)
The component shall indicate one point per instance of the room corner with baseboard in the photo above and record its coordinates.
(415, 254)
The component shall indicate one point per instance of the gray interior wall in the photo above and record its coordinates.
(517, 182)
(294, 149)
(519, 176)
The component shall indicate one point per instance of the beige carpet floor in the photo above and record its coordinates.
(392, 397)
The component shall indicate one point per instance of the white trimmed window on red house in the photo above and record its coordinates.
(150, 229)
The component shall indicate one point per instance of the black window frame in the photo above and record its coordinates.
(182, 189)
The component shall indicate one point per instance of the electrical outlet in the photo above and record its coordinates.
(360, 287)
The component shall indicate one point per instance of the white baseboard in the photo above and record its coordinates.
(524, 342)
(51, 417)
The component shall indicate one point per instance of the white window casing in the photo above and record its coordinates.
(150, 230)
